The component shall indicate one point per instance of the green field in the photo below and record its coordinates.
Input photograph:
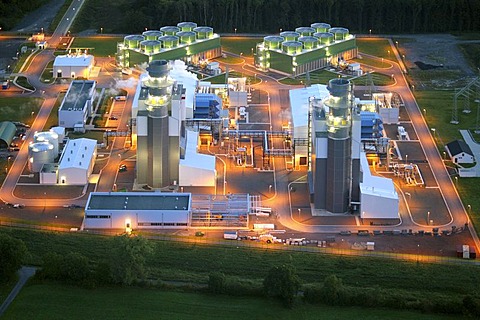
(375, 47)
(472, 53)
(23, 81)
(240, 45)
(220, 79)
(19, 109)
(103, 46)
(52, 120)
(49, 301)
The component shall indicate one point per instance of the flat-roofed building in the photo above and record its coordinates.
(76, 106)
(73, 66)
(77, 161)
(137, 210)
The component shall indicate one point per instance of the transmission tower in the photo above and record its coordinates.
(464, 94)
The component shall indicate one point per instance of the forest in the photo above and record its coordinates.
(269, 16)
(11, 11)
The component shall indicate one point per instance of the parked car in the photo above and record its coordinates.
(18, 206)
(122, 168)
(113, 118)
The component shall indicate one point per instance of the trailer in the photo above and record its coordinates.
(230, 235)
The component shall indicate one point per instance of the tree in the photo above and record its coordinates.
(129, 254)
(282, 282)
(12, 252)
(216, 282)
(332, 290)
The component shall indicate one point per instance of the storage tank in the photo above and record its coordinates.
(204, 32)
(273, 42)
(339, 33)
(324, 37)
(290, 35)
(169, 41)
(133, 41)
(150, 46)
(309, 42)
(152, 34)
(186, 37)
(48, 136)
(292, 47)
(170, 30)
(320, 27)
(60, 131)
(187, 26)
(305, 31)
(39, 153)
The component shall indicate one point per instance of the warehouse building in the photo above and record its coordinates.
(137, 210)
(305, 49)
(73, 66)
(76, 106)
(77, 161)
(185, 42)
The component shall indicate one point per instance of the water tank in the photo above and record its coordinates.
(48, 136)
(169, 30)
(339, 33)
(169, 42)
(187, 26)
(309, 42)
(39, 153)
(204, 32)
(60, 131)
(324, 37)
(133, 41)
(273, 42)
(186, 37)
(292, 47)
(290, 35)
(320, 26)
(150, 46)
(305, 31)
(152, 34)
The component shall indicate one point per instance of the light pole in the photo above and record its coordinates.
(406, 158)
(370, 31)
(409, 196)
(299, 212)
(235, 30)
(456, 181)
(101, 30)
(425, 112)
(382, 62)
(428, 218)
(434, 133)
(270, 188)
(444, 155)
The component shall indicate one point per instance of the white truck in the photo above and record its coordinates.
(230, 235)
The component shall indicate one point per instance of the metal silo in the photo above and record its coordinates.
(150, 46)
(324, 37)
(292, 47)
(273, 42)
(305, 31)
(339, 33)
(290, 35)
(204, 32)
(39, 153)
(47, 136)
(169, 42)
(170, 30)
(186, 37)
(152, 34)
(187, 26)
(309, 42)
(133, 41)
(321, 27)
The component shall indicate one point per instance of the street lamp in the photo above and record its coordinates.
(370, 32)
(382, 62)
(101, 30)
(456, 181)
(299, 212)
(406, 158)
(444, 155)
(235, 30)
(425, 112)
(434, 132)
(270, 188)
(428, 218)
(409, 196)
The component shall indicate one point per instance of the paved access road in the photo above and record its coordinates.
(24, 274)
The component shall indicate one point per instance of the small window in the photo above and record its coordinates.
(303, 161)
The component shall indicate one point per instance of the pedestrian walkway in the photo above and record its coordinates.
(475, 147)
(24, 274)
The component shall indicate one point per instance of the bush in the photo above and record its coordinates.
(12, 252)
(216, 282)
(282, 282)
(471, 306)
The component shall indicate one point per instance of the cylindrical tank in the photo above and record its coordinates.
(290, 35)
(273, 42)
(133, 41)
(152, 34)
(305, 31)
(60, 131)
(187, 26)
(39, 153)
(186, 37)
(324, 37)
(169, 41)
(339, 33)
(170, 30)
(150, 46)
(292, 47)
(47, 136)
(320, 26)
(204, 32)
(309, 42)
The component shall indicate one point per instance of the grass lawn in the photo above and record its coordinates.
(52, 120)
(372, 62)
(375, 47)
(103, 46)
(96, 135)
(240, 45)
(471, 51)
(47, 74)
(469, 189)
(23, 81)
(220, 79)
(6, 287)
(19, 108)
(50, 301)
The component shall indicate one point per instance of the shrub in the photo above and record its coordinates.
(216, 282)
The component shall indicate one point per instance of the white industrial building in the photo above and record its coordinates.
(76, 106)
(378, 197)
(196, 169)
(77, 161)
(460, 152)
(137, 210)
(73, 66)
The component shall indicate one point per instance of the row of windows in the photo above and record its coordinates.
(165, 224)
(99, 217)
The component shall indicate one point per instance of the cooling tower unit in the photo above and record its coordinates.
(305, 31)
(324, 38)
(320, 26)
(150, 46)
(187, 26)
(204, 32)
(309, 42)
(133, 41)
(290, 35)
(152, 34)
(186, 37)
(169, 42)
(273, 42)
(169, 30)
(39, 153)
(339, 33)
(292, 47)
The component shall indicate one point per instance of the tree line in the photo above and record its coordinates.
(12, 11)
(269, 16)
